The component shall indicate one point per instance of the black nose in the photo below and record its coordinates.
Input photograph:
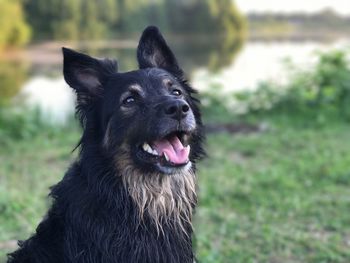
(177, 109)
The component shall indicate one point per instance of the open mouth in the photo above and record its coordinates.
(172, 150)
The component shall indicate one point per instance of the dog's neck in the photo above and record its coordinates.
(165, 199)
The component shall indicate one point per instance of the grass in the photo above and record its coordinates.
(278, 196)
(28, 168)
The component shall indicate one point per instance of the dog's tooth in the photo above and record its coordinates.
(166, 157)
(188, 147)
(147, 148)
(185, 138)
(155, 152)
(144, 146)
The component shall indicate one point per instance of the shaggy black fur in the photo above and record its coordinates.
(93, 217)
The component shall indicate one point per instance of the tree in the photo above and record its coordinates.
(70, 19)
(214, 25)
(14, 30)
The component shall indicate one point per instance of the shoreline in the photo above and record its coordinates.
(48, 52)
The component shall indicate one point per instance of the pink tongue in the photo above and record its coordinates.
(174, 149)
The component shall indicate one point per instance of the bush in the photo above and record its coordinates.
(320, 93)
(23, 124)
(14, 30)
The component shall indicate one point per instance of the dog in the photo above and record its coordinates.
(131, 193)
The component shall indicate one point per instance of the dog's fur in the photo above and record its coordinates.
(114, 204)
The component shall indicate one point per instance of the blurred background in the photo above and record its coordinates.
(274, 79)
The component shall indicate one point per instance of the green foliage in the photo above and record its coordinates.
(66, 19)
(14, 30)
(207, 16)
(214, 31)
(320, 93)
(207, 25)
(332, 80)
(18, 124)
(12, 77)
(216, 105)
(90, 19)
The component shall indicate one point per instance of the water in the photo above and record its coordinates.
(261, 61)
(40, 83)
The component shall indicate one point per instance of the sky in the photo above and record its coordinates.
(341, 6)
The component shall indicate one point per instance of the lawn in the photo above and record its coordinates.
(282, 195)
(278, 196)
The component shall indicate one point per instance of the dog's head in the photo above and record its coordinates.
(147, 118)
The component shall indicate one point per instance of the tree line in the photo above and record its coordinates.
(324, 22)
(101, 19)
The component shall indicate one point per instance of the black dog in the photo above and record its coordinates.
(130, 195)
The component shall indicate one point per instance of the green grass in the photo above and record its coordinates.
(278, 196)
(28, 168)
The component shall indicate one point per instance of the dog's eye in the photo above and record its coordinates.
(176, 92)
(168, 83)
(129, 100)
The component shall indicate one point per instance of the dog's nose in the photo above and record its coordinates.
(177, 109)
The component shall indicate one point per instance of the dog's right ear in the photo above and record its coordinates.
(85, 74)
(153, 51)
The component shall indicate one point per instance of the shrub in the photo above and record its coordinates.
(23, 124)
(14, 30)
(320, 92)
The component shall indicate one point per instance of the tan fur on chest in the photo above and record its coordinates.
(165, 199)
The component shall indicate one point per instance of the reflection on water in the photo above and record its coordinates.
(192, 52)
(261, 61)
(206, 63)
(53, 96)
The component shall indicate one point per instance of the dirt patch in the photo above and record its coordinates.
(233, 128)
(8, 245)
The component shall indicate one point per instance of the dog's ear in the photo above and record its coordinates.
(153, 51)
(85, 74)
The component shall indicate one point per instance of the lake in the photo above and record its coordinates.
(35, 78)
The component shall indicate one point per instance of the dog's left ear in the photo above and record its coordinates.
(153, 51)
